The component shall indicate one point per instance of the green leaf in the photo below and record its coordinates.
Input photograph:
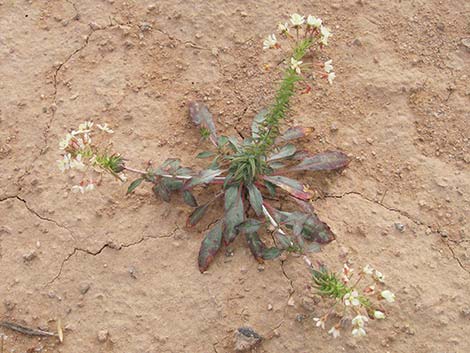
(271, 253)
(189, 198)
(271, 188)
(276, 165)
(202, 117)
(170, 166)
(222, 141)
(292, 186)
(256, 199)
(162, 191)
(210, 246)
(285, 152)
(197, 215)
(283, 241)
(256, 246)
(204, 177)
(234, 212)
(250, 226)
(258, 122)
(134, 185)
(172, 184)
(325, 161)
(205, 154)
(293, 133)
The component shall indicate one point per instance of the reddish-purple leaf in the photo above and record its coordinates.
(293, 133)
(256, 246)
(284, 152)
(271, 253)
(210, 246)
(189, 198)
(234, 212)
(325, 161)
(292, 186)
(201, 116)
(196, 215)
(204, 177)
(256, 199)
(250, 226)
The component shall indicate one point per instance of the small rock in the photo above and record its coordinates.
(30, 256)
(246, 339)
(370, 140)
(333, 127)
(357, 42)
(132, 272)
(9, 305)
(291, 301)
(243, 14)
(300, 317)
(260, 268)
(84, 288)
(145, 26)
(466, 43)
(199, 35)
(270, 307)
(94, 26)
(466, 313)
(103, 336)
(400, 227)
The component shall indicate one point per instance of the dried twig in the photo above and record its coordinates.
(26, 330)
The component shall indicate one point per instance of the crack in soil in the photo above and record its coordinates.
(455, 257)
(109, 245)
(291, 284)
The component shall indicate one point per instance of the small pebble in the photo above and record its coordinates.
(400, 227)
(103, 336)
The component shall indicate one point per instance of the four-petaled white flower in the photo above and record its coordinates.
(270, 42)
(314, 21)
(325, 34)
(388, 296)
(379, 276)
(64, 163)
(328, 66)
(105, 128)
(351, 298)
(358, 332)
(331, 77)
(297, 20)
(283, 27)
(83, 189)
(77, 163)
(334, 332)
(320, 322)
(368, 269)
(379, 315)
(295, 65)
(85, 127)
(65, 142)
(359, 320)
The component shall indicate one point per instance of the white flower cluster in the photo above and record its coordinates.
(313, 30)
(358, 303)
(77, 152)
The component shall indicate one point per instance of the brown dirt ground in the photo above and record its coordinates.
(401, 106)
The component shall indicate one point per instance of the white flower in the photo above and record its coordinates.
(368, 269)
(295, 65)
(358, 332)
(325, 34)
(85, 127)
(351, 298)
(319, 322)
(314, 21)
(105, 128)
(77, 188)
(388, 296)
(90, 187)
(297, 20)
(331, 77)
(328, 66)
(334, 332)
(270, 42)
(65, 163)
(77, 163)
(65, 142)
(283, 28)
(379, 315)
(359, 320)
(379, 276)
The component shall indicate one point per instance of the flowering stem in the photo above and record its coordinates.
(179, 177)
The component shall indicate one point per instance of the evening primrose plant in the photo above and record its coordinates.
(355, 298)
(249, 172)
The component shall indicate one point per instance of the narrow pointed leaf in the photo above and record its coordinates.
(256, 199)
(234, 212)
(285, 152)
(325, 161)
(258, 122)
(189, 198)
(276, 165)
(204, 177)
(271, 253)
(293, 133)
(210, 246)
(282, 240)
(134, 185)
(202, 117)
(205, 154)
(172, 184)
(197, 215)
(256, 246)
(250, 226)
(292, 186)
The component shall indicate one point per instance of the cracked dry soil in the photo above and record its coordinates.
(127, 265)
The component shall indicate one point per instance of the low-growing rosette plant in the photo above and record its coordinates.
(250, 172)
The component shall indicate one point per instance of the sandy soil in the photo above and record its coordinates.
(127, 265)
